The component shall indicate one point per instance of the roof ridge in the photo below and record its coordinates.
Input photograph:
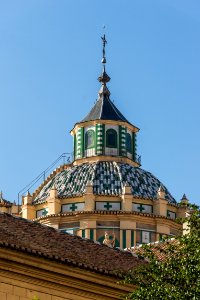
(117, 110)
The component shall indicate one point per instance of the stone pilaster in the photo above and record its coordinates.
(54, 204)
(127, 198)
(90, 228)
(162, 229)
(181, 212)
(15, 209)
(27, 199)
(89, 198)
(160, 204)
(183, 207)
(28, 210)
(129, 227)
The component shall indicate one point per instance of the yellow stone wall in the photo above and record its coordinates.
(13, 209)
(23, 277)
(128, 220)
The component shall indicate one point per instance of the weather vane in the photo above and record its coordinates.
(104, 52)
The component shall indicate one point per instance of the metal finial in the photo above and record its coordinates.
(104, 52)
(104, 78)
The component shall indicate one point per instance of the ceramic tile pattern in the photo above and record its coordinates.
(107, 178)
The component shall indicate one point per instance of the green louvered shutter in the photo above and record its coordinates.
(122, 140)
(80, 143)
(74, 146)
(134, 145)
(100, 137)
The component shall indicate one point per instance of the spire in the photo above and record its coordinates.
(184, 200)
(103, 78)
(104, 108)
(184, 197)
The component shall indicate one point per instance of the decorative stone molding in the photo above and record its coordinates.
(161, 193)
(28, 211)
(27, 199)
(54, 204)
(160, 204)
(89, 197)
(127, 198)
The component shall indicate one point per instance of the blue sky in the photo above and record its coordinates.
(50, 58)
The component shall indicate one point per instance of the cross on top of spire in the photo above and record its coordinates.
(103, 78)
(104, 49)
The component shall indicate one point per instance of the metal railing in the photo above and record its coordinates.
(138, 159)
(64, 158)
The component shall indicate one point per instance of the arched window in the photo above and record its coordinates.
(89, 139)
(111, 138)
(128, 142)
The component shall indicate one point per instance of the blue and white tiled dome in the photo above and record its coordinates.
(107, 178)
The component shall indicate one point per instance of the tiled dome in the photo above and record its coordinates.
(107, 178)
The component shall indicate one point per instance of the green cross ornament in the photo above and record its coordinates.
(45, 212)
(73, 207)
(140, 207)
(107, 206)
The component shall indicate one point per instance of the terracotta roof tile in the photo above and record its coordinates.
(158, 248)
(32, 237)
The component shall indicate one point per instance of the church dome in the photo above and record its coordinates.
(104, 194)
(107, 179)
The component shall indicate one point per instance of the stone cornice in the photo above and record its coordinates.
(105, 212)
(98, 158)
(20, 253)
(111, 122)
(61, 278)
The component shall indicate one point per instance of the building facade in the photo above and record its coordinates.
(8, 206)
(104, 189)
(40, 263)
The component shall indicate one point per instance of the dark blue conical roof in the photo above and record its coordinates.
(104, 109)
